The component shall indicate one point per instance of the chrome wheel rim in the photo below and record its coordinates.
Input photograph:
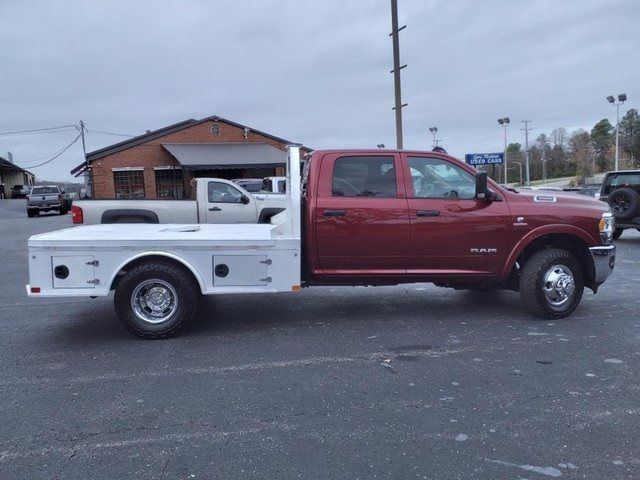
(154, 301)
(558, 285)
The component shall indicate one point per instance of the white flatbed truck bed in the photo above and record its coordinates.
(88, 261)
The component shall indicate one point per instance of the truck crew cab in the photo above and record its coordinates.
(369, 217)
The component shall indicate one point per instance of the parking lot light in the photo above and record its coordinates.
(505, 122)
(622, 97)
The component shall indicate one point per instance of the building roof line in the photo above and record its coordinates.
(6, 163)
(131, 142)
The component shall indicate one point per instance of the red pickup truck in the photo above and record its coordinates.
(372, 217)
(386, 217)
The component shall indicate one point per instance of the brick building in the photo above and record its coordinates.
(161, 163)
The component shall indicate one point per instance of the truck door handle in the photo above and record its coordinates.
(428, 213)
(334, 213)
(215, 209)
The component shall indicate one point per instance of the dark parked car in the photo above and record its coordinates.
(621, 190)
(19, 191)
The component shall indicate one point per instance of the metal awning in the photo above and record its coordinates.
(206, 156)
(6, 165)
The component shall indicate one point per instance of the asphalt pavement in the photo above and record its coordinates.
(329, 383)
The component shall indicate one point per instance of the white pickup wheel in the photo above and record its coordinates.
(552, 283)
(155, 299)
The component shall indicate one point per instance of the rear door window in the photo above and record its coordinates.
(44, 190)
(364, 177)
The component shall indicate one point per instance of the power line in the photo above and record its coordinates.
(489, 133)
(58, 154)
(36, 130)
(486, 133)
(109, 133)
(575, 117)
(48, 155)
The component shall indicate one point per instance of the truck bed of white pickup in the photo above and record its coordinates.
(217, 201)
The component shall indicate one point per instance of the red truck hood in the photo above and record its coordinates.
(559, 198)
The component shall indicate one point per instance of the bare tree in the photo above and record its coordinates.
(582, 153)
(559, 137)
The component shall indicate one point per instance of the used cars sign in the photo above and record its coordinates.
(484, 158)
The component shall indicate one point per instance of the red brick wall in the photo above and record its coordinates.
(151, 154)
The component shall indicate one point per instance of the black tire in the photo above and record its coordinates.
(30, 213)
(617, 233)
(179, 279)
(536, 274)
(624, 203)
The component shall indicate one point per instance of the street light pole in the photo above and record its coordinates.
(526, 148)
(504, 122)
(520, 168)
(621, 99)
(433, 131)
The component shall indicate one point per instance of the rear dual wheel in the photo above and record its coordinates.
(552, 283)
(156, 299)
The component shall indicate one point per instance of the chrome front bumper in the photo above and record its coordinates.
(604, 259)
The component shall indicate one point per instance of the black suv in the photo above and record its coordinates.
(621, 190)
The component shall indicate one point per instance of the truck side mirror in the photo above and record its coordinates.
(244, 199)
(481, 185)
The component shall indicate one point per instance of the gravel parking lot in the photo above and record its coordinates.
(393, 382)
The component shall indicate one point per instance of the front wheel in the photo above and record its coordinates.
(156, 299)
(552, 283)
(617, 233)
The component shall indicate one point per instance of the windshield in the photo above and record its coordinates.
(44, 190)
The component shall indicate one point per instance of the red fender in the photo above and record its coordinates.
(541, 232)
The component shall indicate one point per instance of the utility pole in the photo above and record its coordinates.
(88, 180)
(84, 147)
(396, 71)
(526, 148)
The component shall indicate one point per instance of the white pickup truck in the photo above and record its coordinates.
(217, 201)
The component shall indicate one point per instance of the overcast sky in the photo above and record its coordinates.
(315, 72)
